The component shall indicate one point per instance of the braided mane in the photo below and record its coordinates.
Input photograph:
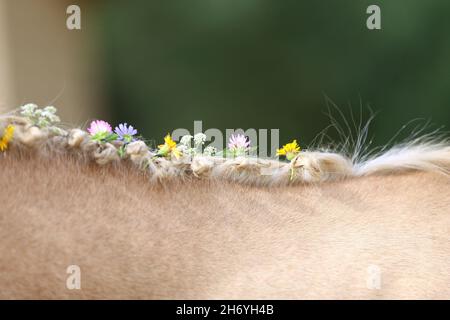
(425, 153)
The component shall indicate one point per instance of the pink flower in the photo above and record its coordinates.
(238, 142)
(99, 126)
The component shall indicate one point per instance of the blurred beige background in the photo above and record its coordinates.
(41, 61)
(262, 64)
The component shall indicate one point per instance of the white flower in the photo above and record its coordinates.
(186, 140)
(28, 109)
(183, 148)
(49, 114)
(210, 151)
(199, 139)
(40, 117)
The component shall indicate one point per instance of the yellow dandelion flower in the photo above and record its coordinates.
(169, 148)
(289, 150)
(168, 140)
(8, 134)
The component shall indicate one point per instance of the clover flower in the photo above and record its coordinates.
(8, 134)
(99, 126)
(169, 148)
(238, 142)
(125, 133)
(101, 131)
(289, 150)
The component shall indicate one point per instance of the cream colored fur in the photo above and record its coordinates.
(211, 239)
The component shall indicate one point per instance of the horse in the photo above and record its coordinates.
(79, 222)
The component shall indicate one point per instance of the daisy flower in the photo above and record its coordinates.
(8, 134)
(289, 150)
(125, 133)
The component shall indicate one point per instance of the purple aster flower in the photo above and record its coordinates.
(125, 132)
(238, 142)
(99, 127)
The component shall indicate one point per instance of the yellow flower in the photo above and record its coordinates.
(169, 148)
(289, 150)
(8, 134)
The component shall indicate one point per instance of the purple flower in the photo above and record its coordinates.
(125, 133)
(238, 142)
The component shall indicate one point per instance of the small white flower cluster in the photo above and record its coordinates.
(186, 147)
(186, 140)
(199, 139)
(43, 118)
(210, 151)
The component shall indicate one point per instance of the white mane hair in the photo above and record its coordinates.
(422, 152)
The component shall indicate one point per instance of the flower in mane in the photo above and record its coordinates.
(238, 144)
(238, 141)
(185, 145)
(8, 134)
(186, 140)
(289, 150)
(43, 118)
(125, 133)
(99, 126)
(101, 131)
(210, 151)
(169, 148)
(199, 139)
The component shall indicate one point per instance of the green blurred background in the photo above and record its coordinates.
(270, 64)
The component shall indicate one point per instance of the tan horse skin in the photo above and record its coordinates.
(377, 237)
